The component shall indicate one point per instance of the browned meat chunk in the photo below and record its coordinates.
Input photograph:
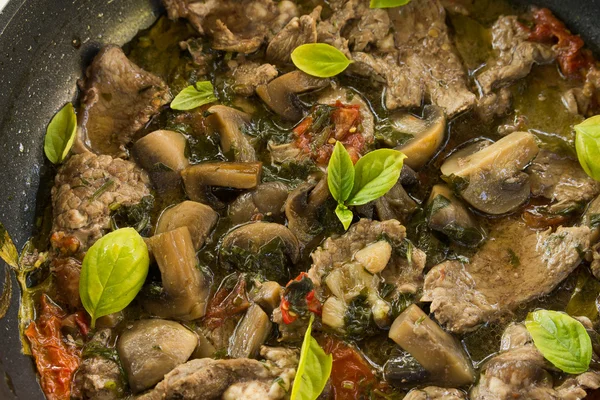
(503, 274)
(240, 378)
(297, 32)
(85, 188)
(248, 76)
(435, 393)
(118, 99)
(516, 55)
(240, 26)
(66, 272)
(426, 65)
(521, 372)
(561, 180)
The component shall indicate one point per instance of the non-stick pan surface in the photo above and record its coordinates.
(44, 47)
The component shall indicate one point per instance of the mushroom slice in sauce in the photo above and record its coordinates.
(199, 218)
(251, 333)
(228, 122)
(491, 179)
(186, 289)
(281, 93)
(223, 174)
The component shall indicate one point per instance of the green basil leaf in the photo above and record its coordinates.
(60, 134)
(340, 173)
(113, 272)
(375, 174)
(320, 59)
(587, 144)
(388, 3)
(194, 96)
(345, 216)
(314, 368)
(562, 340)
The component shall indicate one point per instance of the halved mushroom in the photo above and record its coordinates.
(281, 93)
(448, 215)
(436, 350)
(223, 174)
(227, 122)
(251, 333)
(428, 135)
(268, 199)
(162, 154)
(302, 209)
(491, 179)
(261, 247)
(186, 289)
(395, 204)
(267, 295)
(150, 348)
(199, 218)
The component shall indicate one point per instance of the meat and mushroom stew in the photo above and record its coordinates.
(343, 199)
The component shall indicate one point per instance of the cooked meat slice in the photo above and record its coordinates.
(426, 64)
(202, 60)
(118, 99)
(494, 104)
(435, 393)
(403, 90)
(227, 379)
(239, 26)
(516, 55)
(503, 274)
(66, 272)
(98, 377)
(85, 188)
(561, 180)
(297, 32)
(248, 76)
(579, 100)
(520, 371)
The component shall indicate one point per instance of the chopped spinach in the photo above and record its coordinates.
(357, 321)
(137, 216)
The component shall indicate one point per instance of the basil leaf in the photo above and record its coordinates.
(194, 96)
(562, 340)
(388, 3)
(113, 272)
(587, 144)
(375, 174)
(314, 368)
(60, 134)
(340, 173)
(345, 216)
(320, 60)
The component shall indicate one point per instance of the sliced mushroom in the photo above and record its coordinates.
(162, 154)
(251, 333)
(263, 247)
(448, 215)
(150, 348)
(268, 199)
(267, 295)
(227, 122)
(405, 371)
(186, 289)
(428, 135)
(223, 174)
(281, 93)
(395, 204)
(199, 218)
(436, 350)
(302, 209)
(491, 179)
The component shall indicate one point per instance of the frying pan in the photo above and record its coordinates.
(44, 48)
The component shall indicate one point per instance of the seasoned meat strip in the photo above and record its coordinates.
(85, 188)
(119, 98)
(515, 265)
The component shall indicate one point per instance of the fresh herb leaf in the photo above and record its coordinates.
(340, 173)
(344, 214)
(113, 272)
(320, 59)
(587, 144)
(105, 186)
(60, 134)
(194, 96)
(388, 3)
(562, 340)
(314, 368)
(8, 251)
(375, 174)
